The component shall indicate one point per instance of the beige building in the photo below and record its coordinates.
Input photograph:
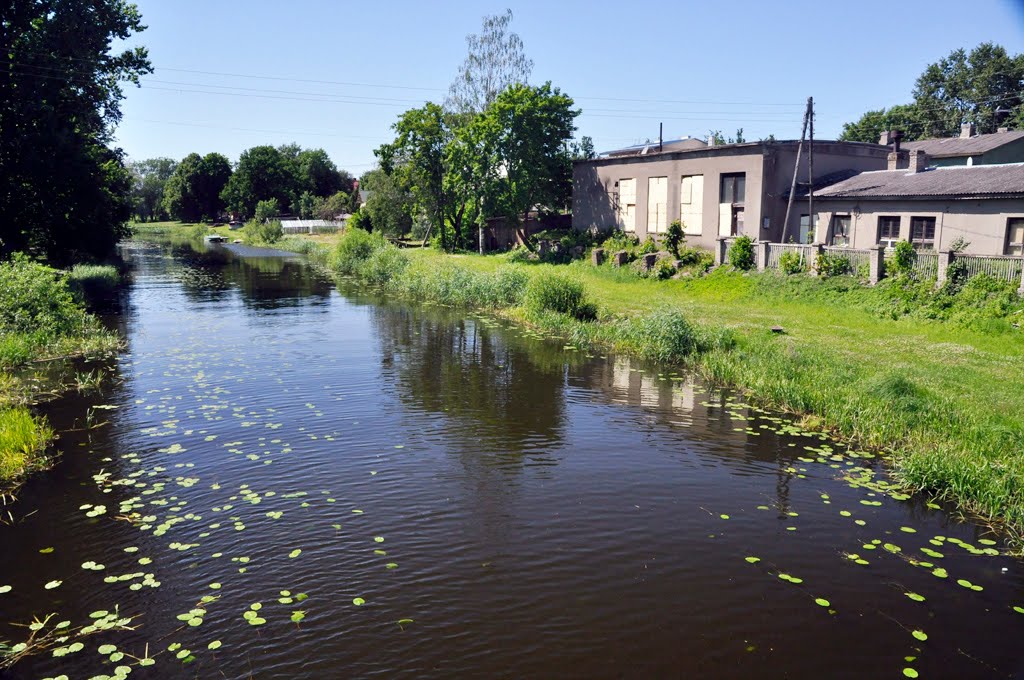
(929, 206)
(1004, 146)
(714, 191)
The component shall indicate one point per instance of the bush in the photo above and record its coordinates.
(790, 262)
(660, 336)
(832, 264)
(35, 299)
(383, 265)
(518, 254)
(741, 253)
(93, 280)
(903, 258)
(359, 220)
(619, 241)
(266, 210)
(262, 233)
(674, 237)
(649, 246)
(664, 269)
(355, 247)
(554, 293)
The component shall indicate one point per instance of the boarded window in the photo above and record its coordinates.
(657, 204)
(627, 204)
(922, 232)
(1015, 236)
(691, 204)
(888, 230)
(841, 230)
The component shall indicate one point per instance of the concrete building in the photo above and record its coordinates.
(1004, 146)
(714, 191)
(928, 206)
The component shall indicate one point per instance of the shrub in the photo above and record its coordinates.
(956, 276)
(518, 254)
(741, 253)
(554, 293)
(359, 220)
(659, 336)
(674, 237)
(619, 241)
(903, 258)
(93, 280)
(266, 210)
(832, 264)
(383, 265)
(354, 247)
(35, 299)
(265, 233)
(649, 246)
(790, 262)
(664, 269)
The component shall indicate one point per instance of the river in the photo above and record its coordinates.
(282, 479)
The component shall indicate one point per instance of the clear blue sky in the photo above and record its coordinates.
(694, 65)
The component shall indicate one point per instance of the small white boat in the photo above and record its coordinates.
(214, 238)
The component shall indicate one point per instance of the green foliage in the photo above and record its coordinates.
(355, 247)
(263, 173)
(619, 241)
(790, 262)
(383, 265)
(903, 259)
(360, 220)
(674, 237)
(66, 193)
(556, 293)
(22, 441)
(956, 276)
(832, 264)
(741, 253)
(648, 246)
(193, 191)
(665, 335)
(149, 179)
(262, 233)
(495, 62)
(334, 205)
(870, 126)
(267, 210)
(389, 205)
(35, 299)
(93, 281)
(664, 269)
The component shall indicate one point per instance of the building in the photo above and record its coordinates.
(1004, 146)
(714, 190)
(929, 206)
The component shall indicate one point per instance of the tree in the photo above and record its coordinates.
(495, 61)
(332, 206)
(983, 86)
(584, 151)
(66, 193)
(530, 130)
(318, 174)
(263, 173)
(149, 178)
(192, 193)
(389, 206)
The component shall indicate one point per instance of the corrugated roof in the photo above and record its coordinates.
(958, 146)
(955, 181)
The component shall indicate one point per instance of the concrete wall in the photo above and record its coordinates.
(981, 222)
(768, 167)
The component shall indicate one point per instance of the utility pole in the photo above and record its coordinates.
(796, 168)
(810, 167)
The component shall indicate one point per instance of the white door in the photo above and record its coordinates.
(691, 204)
(657, 204)
(627, 204)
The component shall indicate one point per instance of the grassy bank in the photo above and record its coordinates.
(938, 385)
(41, 318)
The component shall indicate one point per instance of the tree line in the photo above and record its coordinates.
(305, 182)
(984, 86)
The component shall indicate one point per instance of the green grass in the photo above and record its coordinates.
(23, 441)
(93, 280)
(943, 398)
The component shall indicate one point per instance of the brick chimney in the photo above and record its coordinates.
(886, 138)
(966, 130)
(918, 161)
(899, 160)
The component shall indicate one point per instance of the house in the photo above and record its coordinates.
(929, 206)
(714, 190)
(1004, 146)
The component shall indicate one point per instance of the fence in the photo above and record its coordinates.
(775, 251)
(857, 257)
(1002, 267)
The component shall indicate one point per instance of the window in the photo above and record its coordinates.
(627, 204)
(734, 188)
(691, 203)
(806, 231)
(1015, 236)
(841, 230)
(657, 204)
(922, 232)
(888, 231)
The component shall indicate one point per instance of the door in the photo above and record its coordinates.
(691, 204)
(657, 204)
(627, 204)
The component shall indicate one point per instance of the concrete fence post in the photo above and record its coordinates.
(876, 264)
(1020, 291)
(762, 248)
(813, 253)
(597, 256)
(945, 259)
(721, 248)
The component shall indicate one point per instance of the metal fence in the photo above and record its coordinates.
(1002, 267)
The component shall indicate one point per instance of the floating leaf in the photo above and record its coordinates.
(107, 649)
(53, 584)
(295, 553)
(915, 597)
(822, 602)
(752, 559)
(910, 672)
(298, 616)
(378, 539)
(724, 516)
(216, 644)
(5, 589)
(920, 635)
(358, 601)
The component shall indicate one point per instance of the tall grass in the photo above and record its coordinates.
(93, 280)
(23, 440)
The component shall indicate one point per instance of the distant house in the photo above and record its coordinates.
(929, 206)
(1004, 146)
(714, 190)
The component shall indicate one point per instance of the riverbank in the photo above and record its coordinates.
(941, 398)
(42, 318)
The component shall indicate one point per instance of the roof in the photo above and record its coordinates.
(760, 147)
(964, 146)
(968, 181)
(652, 147)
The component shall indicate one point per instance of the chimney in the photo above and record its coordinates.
(918, 160)
(966, 130)
(886, 138)
(711, 140)
(898, 160)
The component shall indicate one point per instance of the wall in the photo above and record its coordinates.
(768, 168)
(1008, 153)
(981, 222)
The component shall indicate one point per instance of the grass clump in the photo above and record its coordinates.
(93, 281)
(556, 293)
(23, 439)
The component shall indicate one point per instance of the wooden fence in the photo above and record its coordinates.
(1002, 267)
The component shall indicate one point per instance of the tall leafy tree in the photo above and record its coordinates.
(263, 173)
(870, 126)
(495, 61)
(193, 192)
(389, 205)
(65, 194)
(149, 178)
(318, 174)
